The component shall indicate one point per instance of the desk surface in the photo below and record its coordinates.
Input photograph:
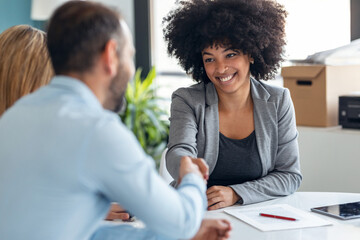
(349, 229)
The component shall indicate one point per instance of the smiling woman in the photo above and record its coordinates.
(227, 69)
(243, 128)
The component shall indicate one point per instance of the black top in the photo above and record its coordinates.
(238, 161)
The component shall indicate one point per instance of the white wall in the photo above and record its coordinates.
(42, 9)
(126, 7)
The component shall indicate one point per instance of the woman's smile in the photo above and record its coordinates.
(226, 78)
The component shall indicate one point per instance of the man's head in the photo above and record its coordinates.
(89, 39)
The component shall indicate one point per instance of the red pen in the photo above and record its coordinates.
(276, 216)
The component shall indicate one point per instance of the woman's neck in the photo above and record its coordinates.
(236, 101)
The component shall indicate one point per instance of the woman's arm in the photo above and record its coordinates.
(183, 131)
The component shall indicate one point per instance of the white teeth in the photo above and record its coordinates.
(226, 78)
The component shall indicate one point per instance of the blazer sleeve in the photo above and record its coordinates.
(284, 176)
(183, 131)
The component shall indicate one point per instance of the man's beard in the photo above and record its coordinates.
(122, 105)
(116, 101)
(119, 104)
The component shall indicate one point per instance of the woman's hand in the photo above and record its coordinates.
(220, 197)
(117, 212)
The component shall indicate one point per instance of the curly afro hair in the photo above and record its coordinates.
(255, 27)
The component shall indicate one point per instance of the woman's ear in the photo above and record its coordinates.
(110, 57)
(251, 60)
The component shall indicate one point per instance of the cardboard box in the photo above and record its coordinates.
(315, 91)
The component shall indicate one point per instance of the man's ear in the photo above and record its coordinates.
(110, 57)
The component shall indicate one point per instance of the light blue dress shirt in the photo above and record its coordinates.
(64, 159)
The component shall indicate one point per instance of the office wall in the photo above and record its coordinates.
(14, 12)
(126, 8)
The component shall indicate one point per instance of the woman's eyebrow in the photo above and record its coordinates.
(206, 53)
(225, 50)
(231, 49)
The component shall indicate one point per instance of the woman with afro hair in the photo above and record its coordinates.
(243, 128)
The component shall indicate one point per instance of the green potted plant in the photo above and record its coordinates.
(143, 115)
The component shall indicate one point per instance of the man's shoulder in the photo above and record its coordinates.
(110, 137)
(106, 120)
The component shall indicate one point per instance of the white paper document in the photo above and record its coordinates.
(252, 217)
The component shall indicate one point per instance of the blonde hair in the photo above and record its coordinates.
(24, 63)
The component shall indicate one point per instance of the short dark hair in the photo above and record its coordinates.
(255, 27)
(78, 32)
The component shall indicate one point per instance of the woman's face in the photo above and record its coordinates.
(227, 69)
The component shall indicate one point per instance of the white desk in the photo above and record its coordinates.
(349, 229)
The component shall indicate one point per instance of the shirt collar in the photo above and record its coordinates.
(76, 86)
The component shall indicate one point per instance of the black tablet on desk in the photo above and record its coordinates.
(342, 211)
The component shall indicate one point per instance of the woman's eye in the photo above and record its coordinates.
(230, 55)
(208, 60)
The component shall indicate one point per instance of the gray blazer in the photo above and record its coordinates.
(194, 131)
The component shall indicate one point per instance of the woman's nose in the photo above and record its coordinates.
(221, 67)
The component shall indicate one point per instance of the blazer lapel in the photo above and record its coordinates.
(211, 126)
(265, 122)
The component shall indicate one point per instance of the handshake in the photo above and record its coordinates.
(193, 165)
(210, 228)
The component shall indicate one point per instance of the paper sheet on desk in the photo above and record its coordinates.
(252, 217)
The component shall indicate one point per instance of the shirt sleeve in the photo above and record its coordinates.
(285, 177)
(117, 168)
(125, 232)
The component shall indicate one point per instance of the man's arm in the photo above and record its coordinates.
(210, 229)
(125, 231)
(119, 169)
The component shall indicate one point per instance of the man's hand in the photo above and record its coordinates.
(220, 197)
(117, 212)
(193, 165)
(213, 229)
